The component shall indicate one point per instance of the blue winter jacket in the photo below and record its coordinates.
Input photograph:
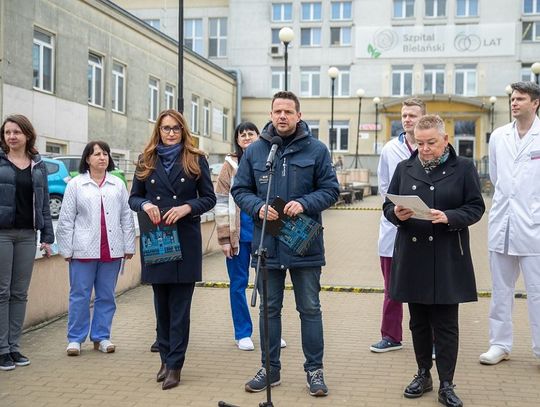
(303, 173)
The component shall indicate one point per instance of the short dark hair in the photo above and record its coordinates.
(528, 87)
(415, 102)
(242, 127)
(27, 129)
(285, 94)
(89, 150)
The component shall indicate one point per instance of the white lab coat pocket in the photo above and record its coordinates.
(535, 212)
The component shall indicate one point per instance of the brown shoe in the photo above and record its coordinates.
(162, 373)
(172, 379)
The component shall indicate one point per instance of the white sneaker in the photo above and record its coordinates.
(105, 346)
(245, 344)
(283, 343)
(494, 355)
(73, 349)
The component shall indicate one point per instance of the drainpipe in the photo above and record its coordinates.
(238, 75)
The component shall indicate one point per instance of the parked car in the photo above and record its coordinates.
(72, 164)
(58, 177)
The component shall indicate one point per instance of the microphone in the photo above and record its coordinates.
(276, 142)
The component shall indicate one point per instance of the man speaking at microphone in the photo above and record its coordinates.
(305, 180)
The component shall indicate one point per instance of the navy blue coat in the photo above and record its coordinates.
(167, 191)
(304, 173)
(432, 262)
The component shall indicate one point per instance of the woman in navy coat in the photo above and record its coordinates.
(172, 184)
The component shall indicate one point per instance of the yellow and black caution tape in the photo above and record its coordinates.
(339, 289)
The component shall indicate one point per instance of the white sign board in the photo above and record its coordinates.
(476, 40)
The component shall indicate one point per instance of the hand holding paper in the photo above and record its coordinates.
(414, 203)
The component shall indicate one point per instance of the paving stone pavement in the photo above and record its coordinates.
(215, 370)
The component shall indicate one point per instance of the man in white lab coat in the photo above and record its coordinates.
(396, 150)
(514, 220)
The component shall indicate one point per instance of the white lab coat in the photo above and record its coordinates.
(392, 154)
(515, 172)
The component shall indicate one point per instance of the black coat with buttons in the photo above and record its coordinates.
(175, 189)
(432, 263)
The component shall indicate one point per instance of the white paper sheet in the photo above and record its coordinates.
(414, 202)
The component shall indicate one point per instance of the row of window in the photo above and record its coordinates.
(43, 63)
(311, 36)
(312, 11)
(43, 80)
(402, 80)
(435, 8)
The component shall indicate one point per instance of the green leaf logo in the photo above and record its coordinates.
(373, 52)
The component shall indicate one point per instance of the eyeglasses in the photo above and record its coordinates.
(167, 129)
(247, 134)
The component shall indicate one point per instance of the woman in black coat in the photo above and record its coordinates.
(172, 184)
(433, 269)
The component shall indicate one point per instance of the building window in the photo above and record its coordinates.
(278, 79)
(526, 74)
(311, 11)
(434, 79)
(467, 8)
(275, 36)
(170, 96)
(193, 37)
(310, 79)
(95, 80)
(225, 122)
(531, 31)
(314, 127)
(217, 46)
(339, 142)
(465, 80)
(435, 8)
(55, 148)
(531, 6)
(206, 118)
(343, 82)
(153, 99)
(281, 12)
(401, 80)
(153, 22)
(118, 87)
(396, 128)
(195, 114)
(403, 8)
(340, 36)
(43, 61)
(310, 37)
(341, 10)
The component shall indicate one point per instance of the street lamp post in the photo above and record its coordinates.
(508, 91)
(492, 101)
(535, 68)
(286, 35)
(360, 93)
(333, 73)
(376, 101)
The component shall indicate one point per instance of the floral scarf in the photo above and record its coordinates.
(430, 165)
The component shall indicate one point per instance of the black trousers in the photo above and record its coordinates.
(435, 324)
(173, 307)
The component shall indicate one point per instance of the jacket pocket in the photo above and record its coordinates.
(302, 176)
(80, 239)
(535, 212)
(261, 178)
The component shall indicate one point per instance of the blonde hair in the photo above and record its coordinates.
(190, 154)
(431, 121)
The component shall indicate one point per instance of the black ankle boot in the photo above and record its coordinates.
(447, 396)
(421, 384)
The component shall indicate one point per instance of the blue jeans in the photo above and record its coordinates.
(83, 277)
(238, 269)
(306, 284)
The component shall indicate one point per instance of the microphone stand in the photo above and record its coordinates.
(261, 266)
(261, 254)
